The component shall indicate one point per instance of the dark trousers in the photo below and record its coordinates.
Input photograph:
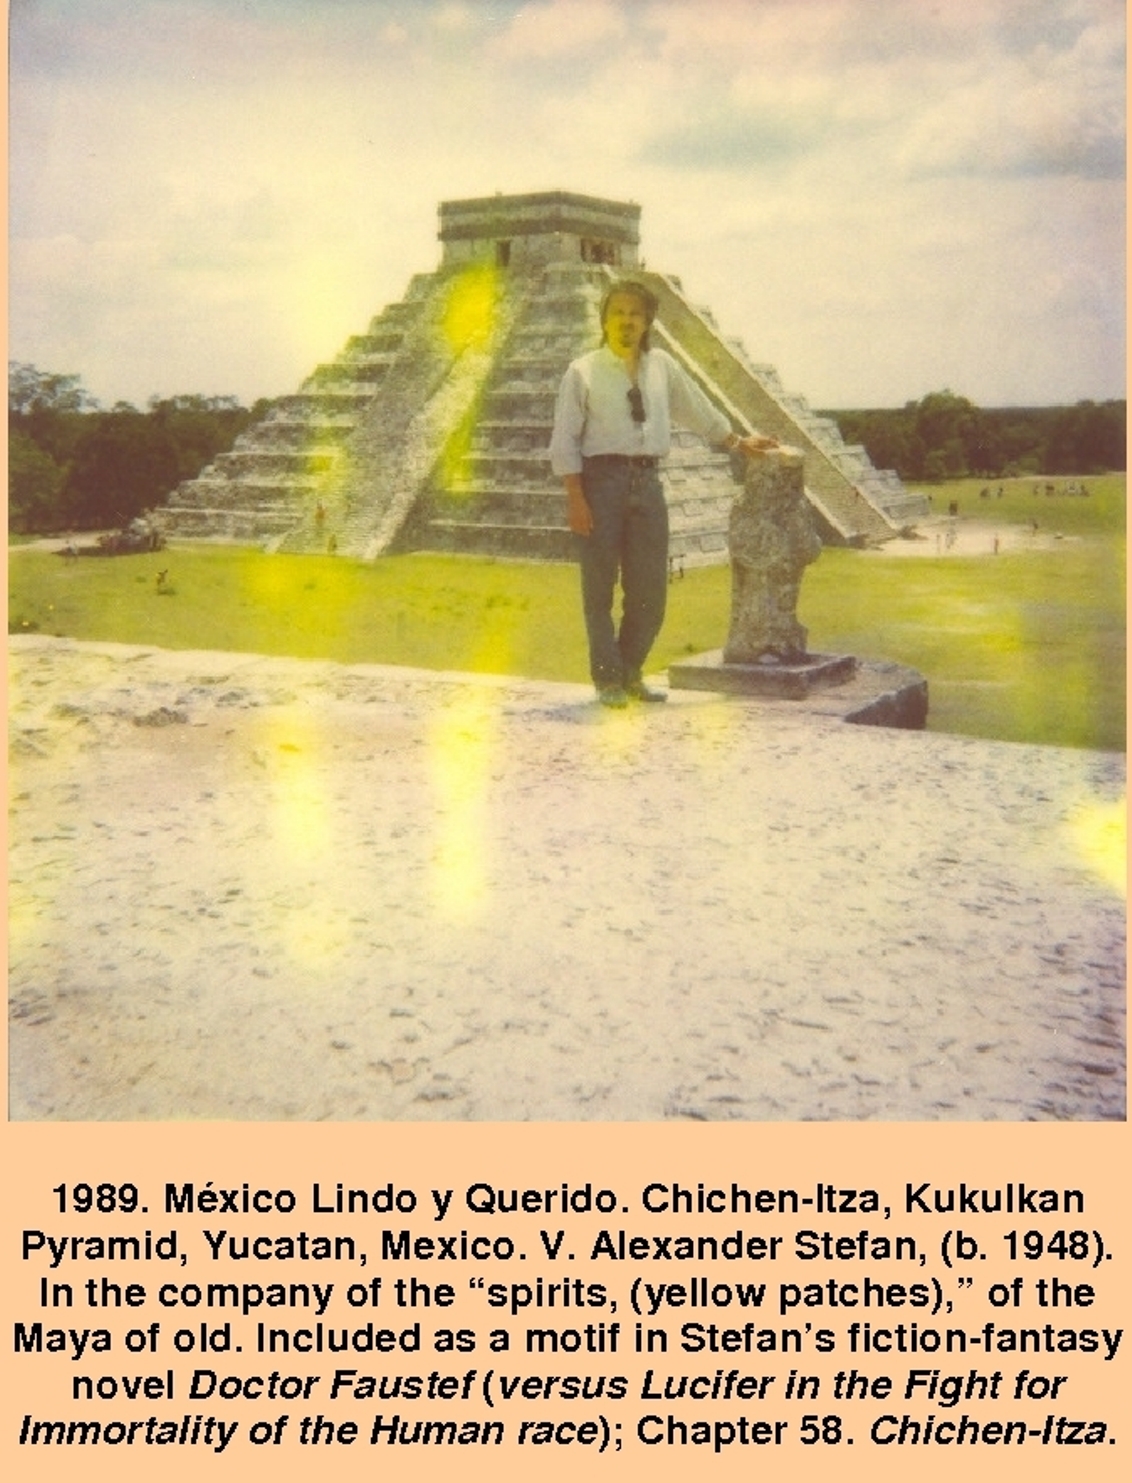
(630, 540)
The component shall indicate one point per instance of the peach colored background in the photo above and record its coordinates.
(625, 1158)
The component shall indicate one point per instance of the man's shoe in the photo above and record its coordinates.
(613, 696)
(638, 690)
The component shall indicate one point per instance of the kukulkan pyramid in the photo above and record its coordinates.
(430, 430)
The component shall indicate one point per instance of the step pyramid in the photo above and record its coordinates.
(430, 431)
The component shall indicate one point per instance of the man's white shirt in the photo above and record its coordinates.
(593, 415)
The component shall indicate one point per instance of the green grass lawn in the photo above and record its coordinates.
(1026, 646)
(1102, 513)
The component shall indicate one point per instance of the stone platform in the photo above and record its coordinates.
(783, 680)
(865, 692)
(363, 894)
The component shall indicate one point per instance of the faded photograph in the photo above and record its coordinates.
(566, 561)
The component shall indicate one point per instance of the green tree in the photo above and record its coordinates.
(78, 466)
(1087, 439)
(31, 390)
(199, 428)
(124, 462)
(944, 435)
(935, 466)
(34, 484)
(888, 440)
(949, 425)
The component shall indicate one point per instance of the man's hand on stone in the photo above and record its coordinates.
(755, 445)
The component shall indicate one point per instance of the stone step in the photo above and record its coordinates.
(497, 465)
(517, 377)
(348, 375)
(255, 487)
(527, 542)
(383, 342)
(485, 504)
(697, 547)
(318, 402)
(536, 364)
(257, 523)
(297, 435)
(365, 396)
(543, 340)
(265, 509)
(510, 437)
(534, 507)
(405, 311)
(757, 393)
(521, 403)
(249, 463)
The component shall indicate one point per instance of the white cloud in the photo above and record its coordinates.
(870, 192)
(1037, 112)
(454, 19)
(555, 29)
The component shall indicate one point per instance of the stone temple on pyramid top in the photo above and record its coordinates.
(430, 431)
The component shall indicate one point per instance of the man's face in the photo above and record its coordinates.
(625, 324)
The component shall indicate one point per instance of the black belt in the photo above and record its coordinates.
(630, 460)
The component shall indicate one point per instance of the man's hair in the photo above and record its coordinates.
(637, 291)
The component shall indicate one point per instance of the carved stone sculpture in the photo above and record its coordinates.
(772, 540)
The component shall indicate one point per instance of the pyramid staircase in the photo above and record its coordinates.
(431, 430)
(855, 503)
(497, 495)
(283, 474)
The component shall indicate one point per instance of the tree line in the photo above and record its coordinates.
(945, 436)
(73, 465)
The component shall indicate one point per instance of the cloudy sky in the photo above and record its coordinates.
(881, 198)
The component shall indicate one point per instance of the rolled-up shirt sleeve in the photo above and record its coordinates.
(569, 424)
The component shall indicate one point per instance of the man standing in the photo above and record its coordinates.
(612, 426)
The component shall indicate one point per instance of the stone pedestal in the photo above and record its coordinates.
(771, 540)
(862, 692)
(786, 681)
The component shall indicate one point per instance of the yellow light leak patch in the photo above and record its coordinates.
(470, 313)
(461, 745)
(493, 652)
(456, 450)
(469, 324)
(269, 581)
(618, 733)
(714, 727)
(1100, 838)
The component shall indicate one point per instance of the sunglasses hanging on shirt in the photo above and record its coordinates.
(636, 404)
